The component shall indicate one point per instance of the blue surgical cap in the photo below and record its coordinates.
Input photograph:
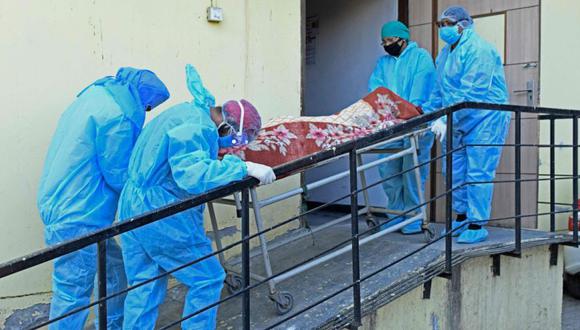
(458, 15)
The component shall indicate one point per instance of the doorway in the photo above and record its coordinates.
(342, 45)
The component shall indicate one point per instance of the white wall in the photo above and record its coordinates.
(347, 48)
(559, 88)
(51, 49)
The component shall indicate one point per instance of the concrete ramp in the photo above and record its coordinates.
(398, 297)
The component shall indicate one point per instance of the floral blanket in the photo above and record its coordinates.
(285, 139)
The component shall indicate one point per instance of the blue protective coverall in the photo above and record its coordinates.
(473, 71)
(84, 172)
(411, 76)
(175, 157)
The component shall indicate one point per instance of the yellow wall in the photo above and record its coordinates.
(559, 74)
(50, 50)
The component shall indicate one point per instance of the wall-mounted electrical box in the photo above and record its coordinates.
(215, 14)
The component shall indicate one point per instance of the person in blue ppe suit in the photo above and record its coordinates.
(470, 69)
(175, 157)
(84, 172)
(407, 70)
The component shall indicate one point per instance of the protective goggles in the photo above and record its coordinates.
(445, 22)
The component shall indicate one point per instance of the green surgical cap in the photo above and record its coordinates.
(395, 29)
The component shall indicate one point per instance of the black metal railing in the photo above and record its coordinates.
(348, 149)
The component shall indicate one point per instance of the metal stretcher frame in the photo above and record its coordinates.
(283, 300)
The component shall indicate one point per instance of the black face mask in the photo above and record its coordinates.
(394, 49)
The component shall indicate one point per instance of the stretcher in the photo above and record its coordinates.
(283, 300)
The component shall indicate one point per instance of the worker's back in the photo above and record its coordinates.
(71, 172)
(149, 162)
(152, 182)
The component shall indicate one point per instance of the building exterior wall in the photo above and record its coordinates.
(476, 299)
(52, 49)
(424, 314)
(559, 72)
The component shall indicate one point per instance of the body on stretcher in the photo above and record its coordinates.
(283, 300)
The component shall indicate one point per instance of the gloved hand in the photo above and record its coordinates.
(261, 172)
(439, 128)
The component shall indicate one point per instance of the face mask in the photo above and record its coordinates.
(232, 141)
(449, 34)
(225, 141)
(393, 49)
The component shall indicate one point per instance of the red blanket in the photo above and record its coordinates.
(285, 139)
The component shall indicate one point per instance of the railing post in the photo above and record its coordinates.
(245, 258)
(518, 184)
(575, 176)
(552, 174)
(355, 240)
(102, 282)
(433, 183)
(449, 189)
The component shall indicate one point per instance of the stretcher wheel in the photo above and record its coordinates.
(284, 302)
(429, 233)
(234, 283)
(372, 224)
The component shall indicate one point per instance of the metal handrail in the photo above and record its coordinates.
(348, 148)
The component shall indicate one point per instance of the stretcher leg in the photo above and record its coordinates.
(233, 281)
(282, 299)
(262, 238)
(426, 226)
(238, 201)
(370, 218)
(216, 233)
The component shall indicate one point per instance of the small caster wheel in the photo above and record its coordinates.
(284, 302)
(429, 233)
(234, 283)
(372, 224)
